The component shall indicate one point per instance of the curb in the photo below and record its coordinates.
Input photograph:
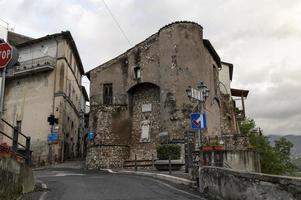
(166, 177)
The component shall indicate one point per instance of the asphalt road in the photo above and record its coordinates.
(70, 182)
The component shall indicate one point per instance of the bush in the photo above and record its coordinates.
(166, 150)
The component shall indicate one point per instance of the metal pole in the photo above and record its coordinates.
(153, 162)
(2, 91)
(28, 154)
(15, 139)
(199, 130)
(136, 168)
(169, 164)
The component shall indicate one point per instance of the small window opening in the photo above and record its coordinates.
(137, 73)
(108, 93)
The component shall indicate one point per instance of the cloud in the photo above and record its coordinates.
(262, 38)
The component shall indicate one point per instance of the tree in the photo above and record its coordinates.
(246, 126)
(273, 160)
(283, 148)
(270, 161)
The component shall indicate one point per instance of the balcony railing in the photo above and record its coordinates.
(226, 142)
(45, 63)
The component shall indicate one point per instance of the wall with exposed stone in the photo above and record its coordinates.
(228, 119)
(106, 156)
(171, 60)
(110, 146)
(227, 184)
(143, 95)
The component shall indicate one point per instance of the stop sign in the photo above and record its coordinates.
(5, 54)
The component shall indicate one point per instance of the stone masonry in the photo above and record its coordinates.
(148, 92)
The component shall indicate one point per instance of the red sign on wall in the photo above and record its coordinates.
(6, 54)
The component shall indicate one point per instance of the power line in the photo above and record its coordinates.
(7, 24)
(118, 24)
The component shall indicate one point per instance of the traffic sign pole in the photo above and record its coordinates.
(8, 57)
(2, 91)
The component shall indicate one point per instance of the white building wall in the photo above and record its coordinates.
(41, 49)
(3, 31)
(224, 78)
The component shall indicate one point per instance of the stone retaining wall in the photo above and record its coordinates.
(16, 178)
(227, 184)
(108, 156)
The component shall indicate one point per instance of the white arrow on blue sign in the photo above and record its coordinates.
(198, 121)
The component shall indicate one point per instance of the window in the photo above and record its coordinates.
(107, 93)
(137, 73)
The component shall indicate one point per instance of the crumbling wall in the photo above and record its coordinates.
(227, 184)
(228, 120)
(110, 146)
(173, 59)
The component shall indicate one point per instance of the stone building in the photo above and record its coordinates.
(47, 81)
(142, 93)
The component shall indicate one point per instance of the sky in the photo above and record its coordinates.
(262, 38)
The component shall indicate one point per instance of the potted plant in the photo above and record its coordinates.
(166, 152)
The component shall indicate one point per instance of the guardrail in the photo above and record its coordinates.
(24, 152)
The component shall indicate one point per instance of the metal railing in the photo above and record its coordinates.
(23, 152)
(35, 63)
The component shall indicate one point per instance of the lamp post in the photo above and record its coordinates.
(200, 94)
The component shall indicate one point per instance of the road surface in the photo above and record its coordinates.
(70, 182)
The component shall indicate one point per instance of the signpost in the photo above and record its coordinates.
(198, 121)
(53, 137)
(91, 136)
(6, 54)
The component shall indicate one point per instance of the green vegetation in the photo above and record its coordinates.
(166, 150)
(297, 163)
(273, 160)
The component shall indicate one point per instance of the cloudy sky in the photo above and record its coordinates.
(262, 38)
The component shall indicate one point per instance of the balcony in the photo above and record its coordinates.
(41, 64)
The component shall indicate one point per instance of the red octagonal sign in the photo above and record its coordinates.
(5, 54)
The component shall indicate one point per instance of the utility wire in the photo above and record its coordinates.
(7, 24)
(117, 23)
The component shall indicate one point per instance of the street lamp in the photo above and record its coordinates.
(200, 94)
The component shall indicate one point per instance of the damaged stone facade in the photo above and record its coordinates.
(148, 84)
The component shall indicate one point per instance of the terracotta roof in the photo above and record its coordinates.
(66, 35)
